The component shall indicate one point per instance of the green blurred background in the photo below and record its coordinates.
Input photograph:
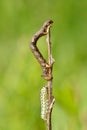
(20, 80)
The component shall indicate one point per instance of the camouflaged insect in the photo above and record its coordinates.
(44, 103)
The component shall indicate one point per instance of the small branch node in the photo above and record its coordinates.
(52, 103)
(52, 60)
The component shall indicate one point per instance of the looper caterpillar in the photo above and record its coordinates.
(43, 31)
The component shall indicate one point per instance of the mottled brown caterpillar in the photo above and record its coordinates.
(43, 31)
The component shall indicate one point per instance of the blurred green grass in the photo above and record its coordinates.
(20, 80)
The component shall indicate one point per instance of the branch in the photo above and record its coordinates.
(46, 93)
(51, 99)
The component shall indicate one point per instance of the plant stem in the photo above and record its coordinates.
(49, 84)
(46, 66)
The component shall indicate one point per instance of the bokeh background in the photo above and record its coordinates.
(20, 80)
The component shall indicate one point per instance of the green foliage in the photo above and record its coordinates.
(20, 80)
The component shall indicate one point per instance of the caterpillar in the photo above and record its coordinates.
(44, 103)
(35, 50)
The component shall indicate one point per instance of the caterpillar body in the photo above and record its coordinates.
(44, 103)
(35, 50)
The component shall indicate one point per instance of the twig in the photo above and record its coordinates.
(46, 66)
(51, 99)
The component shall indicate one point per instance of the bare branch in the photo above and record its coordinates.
(49, 85)
(47, 71)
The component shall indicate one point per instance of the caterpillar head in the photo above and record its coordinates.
(46, 25)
